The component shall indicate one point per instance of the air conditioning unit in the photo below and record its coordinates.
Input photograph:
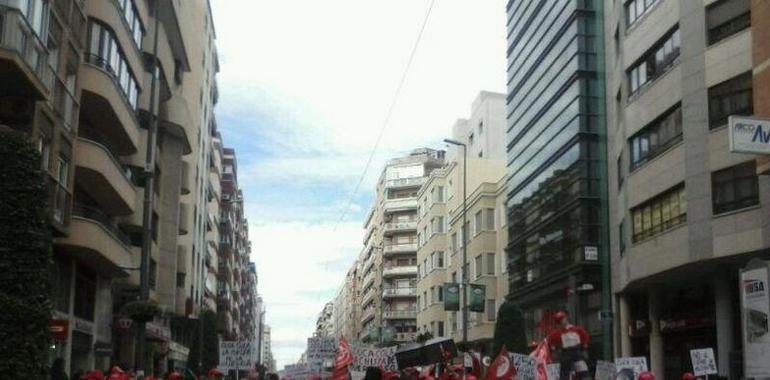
(16, 108)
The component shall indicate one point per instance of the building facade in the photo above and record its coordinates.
(389, 259)
(686, 214)
(440, 242)
(78, 80)
(347, 307)
(557, 250)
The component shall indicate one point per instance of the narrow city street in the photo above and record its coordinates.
(385, 190)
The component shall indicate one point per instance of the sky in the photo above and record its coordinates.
(305, 86)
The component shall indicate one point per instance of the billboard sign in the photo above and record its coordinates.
(749, 135)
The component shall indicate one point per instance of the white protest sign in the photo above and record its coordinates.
(630, 368)
(755, 305)
(703, 362)
(321, 348)
(553, 371)
(526, 367)
(605, 370)
(234, 355)
(366, 356)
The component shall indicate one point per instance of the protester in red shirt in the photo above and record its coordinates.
(570, 342)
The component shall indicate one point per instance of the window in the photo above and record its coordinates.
(635, 9)
(655, 61)
(440, 293)
(477, 226)
(489, 219)
(620, 170)
(491, 264)
(440, 258)
(655, 138)
(732, 97)
(726, 18)
(44, 147)
(622, 235)
(438, 225)
(432, 293)
(660, 213)
(131, 17)
(85, 294)
(105, 52)
(735, 188)
(479, 265)
(453, 242)
(62, 170)
(440, 328)
(491, 310)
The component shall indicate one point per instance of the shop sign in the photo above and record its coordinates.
(755, 303)
(477, 298)
(749, 135)
(59, 329)
(638, 328)
(451, 296)
(682, 324)
(630, 368)
(703, 362)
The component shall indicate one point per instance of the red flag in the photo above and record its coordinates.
(343, 359)
(476, 359)
(542, 355)
(502, 368)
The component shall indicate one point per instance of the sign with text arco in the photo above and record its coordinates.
(749, 135)
(236, 355)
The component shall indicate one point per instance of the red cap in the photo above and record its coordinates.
(214, 372)
(646, 376)
(175, 376)
(559, 316)
(688, 376)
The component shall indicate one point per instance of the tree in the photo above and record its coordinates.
(26, 264)
(509, 329)
(210, 349)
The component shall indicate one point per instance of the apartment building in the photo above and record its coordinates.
(440, 233)
(389, 261)
(347, 307)
(324, 326)
(686, 214)
(556, 186)
(78, 81)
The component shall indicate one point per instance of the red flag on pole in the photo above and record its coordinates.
(542, 355)
(343, 359)
(502, 368)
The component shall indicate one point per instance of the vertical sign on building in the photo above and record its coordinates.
(755, 307)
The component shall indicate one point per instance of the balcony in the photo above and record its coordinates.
(96, 239)
(23, 57)
(400, 248)
(405, 182)
(400, 314)
(367, 297)
(104, 178)
(394, 271)
(395, 227)
(367, 315)
(399, 292)
(403, 204)
(104, 106)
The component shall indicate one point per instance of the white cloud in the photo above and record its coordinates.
(309, 82)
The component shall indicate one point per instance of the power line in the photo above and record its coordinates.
(388, 115)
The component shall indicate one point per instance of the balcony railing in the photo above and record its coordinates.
(17, 34)
(367, 314)
(400, 226)
(400, 204)
(400, 314)
(400, 248)
(399, 271)
(399, 292)
(405, 182)
(101, 218)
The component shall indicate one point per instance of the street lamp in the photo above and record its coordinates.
(464, 270)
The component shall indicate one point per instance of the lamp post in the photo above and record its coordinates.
(464, 270)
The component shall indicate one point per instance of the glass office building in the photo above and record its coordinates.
(557, 203)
